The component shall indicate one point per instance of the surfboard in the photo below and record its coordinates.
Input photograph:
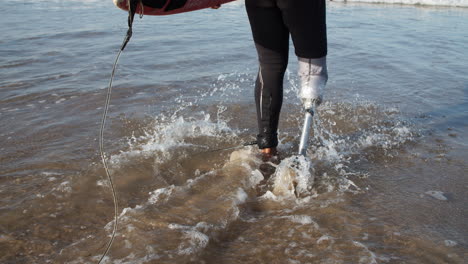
(169, 7)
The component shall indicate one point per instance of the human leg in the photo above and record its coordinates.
(271, 40)
(306, 20)
(313, 76)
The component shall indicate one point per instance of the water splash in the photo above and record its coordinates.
(294, 177)
(165, 138)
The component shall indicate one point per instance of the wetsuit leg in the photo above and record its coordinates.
(271, 38)
(306, 21)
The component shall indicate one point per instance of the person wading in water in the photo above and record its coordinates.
(272, 22)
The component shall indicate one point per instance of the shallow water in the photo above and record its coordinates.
(384, 180)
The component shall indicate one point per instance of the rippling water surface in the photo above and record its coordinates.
(384, 181)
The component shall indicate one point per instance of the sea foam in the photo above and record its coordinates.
(460, 3)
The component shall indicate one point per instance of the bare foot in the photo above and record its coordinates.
(268, 153)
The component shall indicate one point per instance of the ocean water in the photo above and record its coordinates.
(458, 3)
(384, 180)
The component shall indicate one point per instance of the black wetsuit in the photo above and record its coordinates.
(272, 21)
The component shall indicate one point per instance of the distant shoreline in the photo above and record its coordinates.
(446, 3)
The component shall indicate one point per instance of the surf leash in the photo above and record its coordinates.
(131, 14)
(246, 144)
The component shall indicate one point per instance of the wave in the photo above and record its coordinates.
(455, 3)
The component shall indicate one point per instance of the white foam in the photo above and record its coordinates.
(461, 3)
(371, 129)
(268, 196)
(102, 183)
(196, 241)
(365, 236)
(163, 137)
(240, 196)
(302, 219)
(370, 258)
(324, 238)
(64, 187)
(346, 184)
(160, 194)
(255, 178)
(60, 100)
(437, 195)
(293, 177)
(124, 216)
(450, 243)
(293, 261)
(189, 239)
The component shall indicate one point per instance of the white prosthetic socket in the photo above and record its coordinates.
(313, 76)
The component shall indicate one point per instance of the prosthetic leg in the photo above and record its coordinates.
(313, 76)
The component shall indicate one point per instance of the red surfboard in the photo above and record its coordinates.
(169, 7)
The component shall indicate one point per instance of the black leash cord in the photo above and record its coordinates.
(131, 14)
(246, 144)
